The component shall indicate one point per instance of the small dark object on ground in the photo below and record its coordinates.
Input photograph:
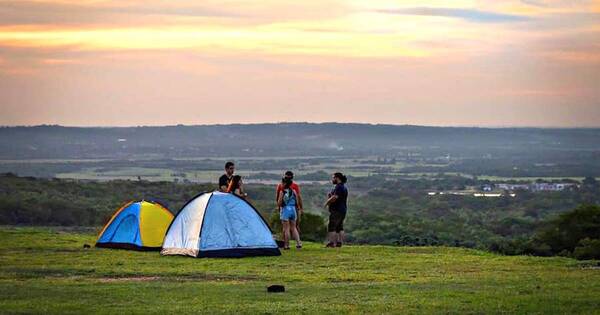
(280, 244)
(276, 288)
(86, 246)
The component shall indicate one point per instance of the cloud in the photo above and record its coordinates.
(535, 3)
(471, 15)
(160, 12)
(13, 12)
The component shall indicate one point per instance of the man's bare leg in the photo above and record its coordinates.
(340, 238)
(332, 239)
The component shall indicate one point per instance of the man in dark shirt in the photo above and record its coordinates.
(337, 205)
(226, 178)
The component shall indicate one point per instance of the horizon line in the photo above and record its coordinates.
(308, 123)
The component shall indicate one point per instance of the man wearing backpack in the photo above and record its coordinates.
(289, 175)
(225, 179)
(287, 201)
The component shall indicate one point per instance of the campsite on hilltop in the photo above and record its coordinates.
(299, 157)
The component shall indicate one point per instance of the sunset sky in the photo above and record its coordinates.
(128, 63)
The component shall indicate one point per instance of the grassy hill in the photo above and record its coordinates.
(48, 271)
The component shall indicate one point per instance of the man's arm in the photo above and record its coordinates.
(300, 205)
(299, 199)
(279, 200)
(331, 200)
(333, 197)
(277, 193)
(223, 184)
(243, 193)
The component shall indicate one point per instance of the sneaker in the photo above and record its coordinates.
(298, 246)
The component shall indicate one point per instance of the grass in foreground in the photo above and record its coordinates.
(49, 271)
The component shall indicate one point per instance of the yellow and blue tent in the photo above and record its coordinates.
(136, 225)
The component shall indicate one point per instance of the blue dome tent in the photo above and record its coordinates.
(219, 225)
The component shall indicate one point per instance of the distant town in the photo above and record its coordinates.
(506, 189)
(531, 187)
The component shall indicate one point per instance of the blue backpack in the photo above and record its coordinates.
(289, 197)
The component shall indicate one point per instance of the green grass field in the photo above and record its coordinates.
(48, 271)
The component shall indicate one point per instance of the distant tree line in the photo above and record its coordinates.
(381, 211)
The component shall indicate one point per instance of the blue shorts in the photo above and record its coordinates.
(288, 214)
